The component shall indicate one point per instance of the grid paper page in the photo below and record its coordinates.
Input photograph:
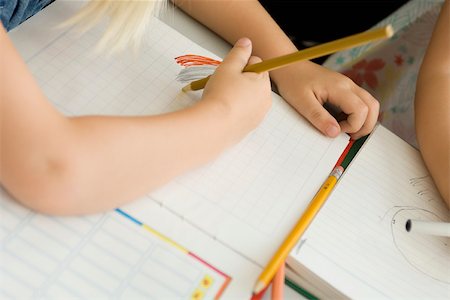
(258, 188)
(101, 256)
(80, 82)
(358, 243)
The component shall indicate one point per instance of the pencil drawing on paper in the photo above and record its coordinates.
(413, 246)
(426, 189)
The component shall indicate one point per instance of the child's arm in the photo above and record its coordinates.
(60, 165)
(432, 104)
(305, 85)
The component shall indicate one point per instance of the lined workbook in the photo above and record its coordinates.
(358, 243)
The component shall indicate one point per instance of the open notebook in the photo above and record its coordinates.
(358, 246)
(111, 255)
(231, 214)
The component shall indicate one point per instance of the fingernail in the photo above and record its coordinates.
(332, 131)
(243, 42)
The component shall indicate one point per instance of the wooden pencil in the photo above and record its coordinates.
(302, 224)
(278, 284)
(309, 53)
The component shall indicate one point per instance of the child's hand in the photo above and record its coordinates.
(245, 97)
(307, 86)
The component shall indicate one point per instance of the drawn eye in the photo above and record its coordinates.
(412, 246)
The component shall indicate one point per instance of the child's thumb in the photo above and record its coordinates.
(239, 55)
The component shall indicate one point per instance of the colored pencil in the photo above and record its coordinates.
(309, 53)
(302, 224)
(278, 284)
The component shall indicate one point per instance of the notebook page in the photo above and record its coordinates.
(203, 247)
(258, 188)
(33, 35)
(100, 256)
(358, 242)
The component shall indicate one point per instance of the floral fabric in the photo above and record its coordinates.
(389, 69)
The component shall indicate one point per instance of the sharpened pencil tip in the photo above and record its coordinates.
(187, 88)
(258, 287)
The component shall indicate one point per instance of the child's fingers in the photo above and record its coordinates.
(359, 106)
(317, 115)
(357, 112)
(361, 109)
(372, 115)
(361, 114)
(254, 60)
(239, 55)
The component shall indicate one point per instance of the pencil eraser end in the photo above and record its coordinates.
(389, 31)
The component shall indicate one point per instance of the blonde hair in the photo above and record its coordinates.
(127, 21)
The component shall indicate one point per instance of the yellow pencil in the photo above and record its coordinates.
(308, 215)
(309, 53)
